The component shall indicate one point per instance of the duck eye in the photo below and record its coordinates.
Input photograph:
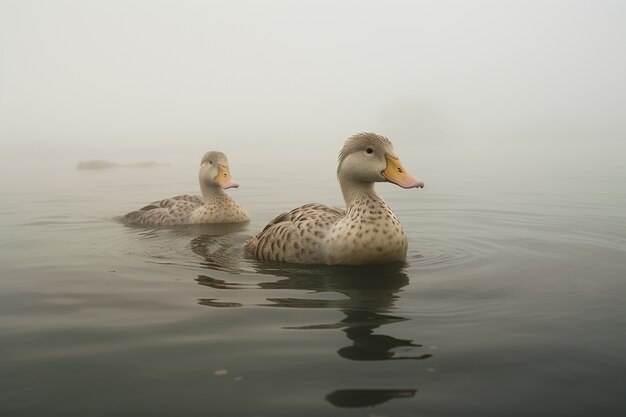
(369, 150)
(210, 162)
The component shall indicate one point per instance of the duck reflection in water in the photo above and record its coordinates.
(370, 294)
(367, 346)
(353, 398)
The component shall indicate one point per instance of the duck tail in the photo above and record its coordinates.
(251, 245)
(134, 217)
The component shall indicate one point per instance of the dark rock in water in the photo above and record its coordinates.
(96, 164)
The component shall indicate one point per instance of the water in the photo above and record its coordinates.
(510, 303)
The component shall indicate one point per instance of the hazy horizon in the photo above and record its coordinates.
(467, 83)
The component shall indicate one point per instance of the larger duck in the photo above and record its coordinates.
(365, 232)
(215, 206)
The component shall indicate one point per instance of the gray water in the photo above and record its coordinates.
(511, 301)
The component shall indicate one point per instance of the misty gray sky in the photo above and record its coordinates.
(139, 78)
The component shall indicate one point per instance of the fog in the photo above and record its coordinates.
(467, 84)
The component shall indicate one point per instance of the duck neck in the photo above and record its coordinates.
(352, 190)
(210, 190)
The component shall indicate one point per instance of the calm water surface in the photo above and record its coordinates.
(511, 301)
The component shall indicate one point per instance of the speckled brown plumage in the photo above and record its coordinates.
(296, 236)
(215, 206)
(188, 209)
(366, 232)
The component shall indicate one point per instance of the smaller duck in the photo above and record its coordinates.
(365, 232)
(215, 206)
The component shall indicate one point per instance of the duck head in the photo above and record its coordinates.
(367, 158)
(214, 173)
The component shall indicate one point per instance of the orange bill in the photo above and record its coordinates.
(223, 178)
(396, 174)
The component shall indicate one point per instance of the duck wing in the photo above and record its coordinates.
(167, 212)
(296, 236)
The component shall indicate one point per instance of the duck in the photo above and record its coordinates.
(215, 206)
(365, 232)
